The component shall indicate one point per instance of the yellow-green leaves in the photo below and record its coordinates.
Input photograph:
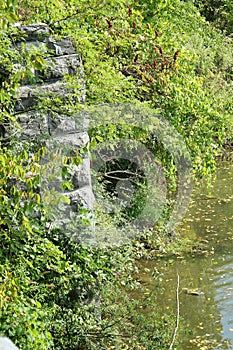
(8, 10)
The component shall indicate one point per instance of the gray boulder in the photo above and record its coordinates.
(6, 344)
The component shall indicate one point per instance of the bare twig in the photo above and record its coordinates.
(8, 137)
(178, 313)
(77, 12)
(111, 175)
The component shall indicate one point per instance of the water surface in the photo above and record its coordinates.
(207, 318)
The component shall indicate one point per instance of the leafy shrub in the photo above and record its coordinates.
(55, 292)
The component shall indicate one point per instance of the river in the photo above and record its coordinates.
(206, 280)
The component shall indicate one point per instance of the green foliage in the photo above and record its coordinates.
(220, 13)
(146, 52)
(8, 13)
(55, 293)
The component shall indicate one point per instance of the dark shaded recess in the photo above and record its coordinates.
(123, 169)
(2, 131)
(115, 170)
(4, 74)
(218, 12)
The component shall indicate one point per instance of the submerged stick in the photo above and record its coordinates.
(178, 312)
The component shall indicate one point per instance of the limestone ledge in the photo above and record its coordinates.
(60, 128)
(6, 344)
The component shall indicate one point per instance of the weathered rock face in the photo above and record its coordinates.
(6, 344)
(38, 107)
(60, 129)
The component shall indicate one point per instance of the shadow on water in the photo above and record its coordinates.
(206, 282)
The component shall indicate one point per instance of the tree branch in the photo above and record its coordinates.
(110, 174)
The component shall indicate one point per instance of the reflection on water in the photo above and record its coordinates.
(206, 283)
(224, 297)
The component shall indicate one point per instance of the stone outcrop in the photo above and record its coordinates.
(43, 107)
(6, 344)
(53, 123)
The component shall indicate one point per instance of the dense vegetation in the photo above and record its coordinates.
(174, 57)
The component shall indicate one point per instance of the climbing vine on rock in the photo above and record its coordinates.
(54, 292)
